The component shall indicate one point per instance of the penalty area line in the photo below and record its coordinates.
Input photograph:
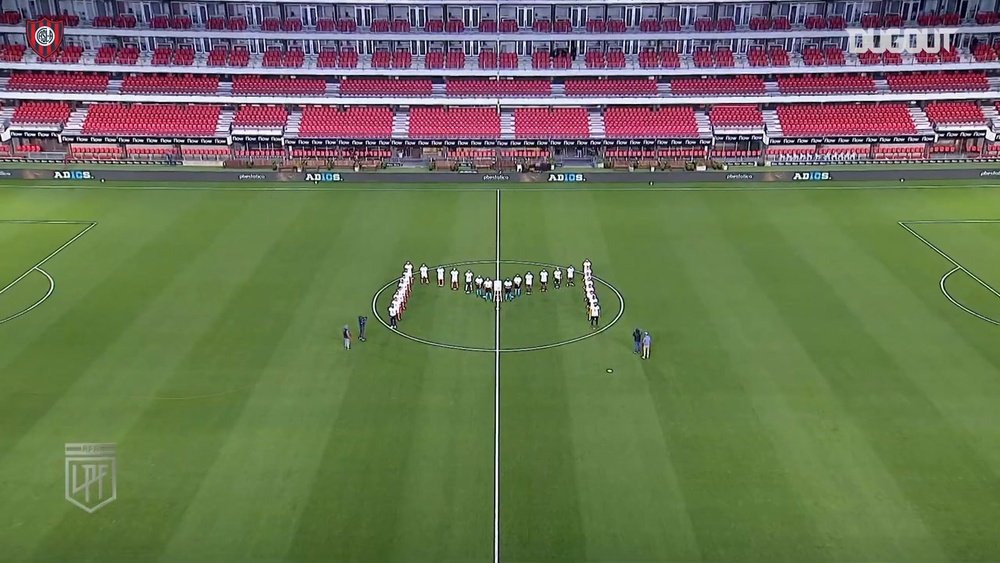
(957, 267)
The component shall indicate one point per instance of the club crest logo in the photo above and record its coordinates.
(44, 36)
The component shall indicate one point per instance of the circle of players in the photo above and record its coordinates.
(496, 290)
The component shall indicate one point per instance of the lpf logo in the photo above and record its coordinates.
(44, 36)
(91, 475)
(931, 40)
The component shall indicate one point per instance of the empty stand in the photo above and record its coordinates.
(260, 116)
(41, 113)
(551, 123)
(643, 122)
(456, 122)
(736, 116)
(169, 84)
(482, 87)
(845, 119)
(349, 122)
(386, 87)
(937, 82)
(611, 87)
(58, 82)
(833, 84)
(718, 86)
(151, 119)
(244, 85)
(955, 113)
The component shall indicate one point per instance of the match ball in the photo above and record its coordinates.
(102, 180)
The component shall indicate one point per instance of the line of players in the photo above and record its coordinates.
(399, 299)
(505, 290)
(590, 295)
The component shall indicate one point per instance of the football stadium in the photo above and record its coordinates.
(532, 281)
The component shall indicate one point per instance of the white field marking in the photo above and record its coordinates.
(52, 288)
(955, 302)
(621, 312)
(43, 222)
(496, 411)
(90, 225)
(950, 221)
(609, 186)
(954, 263)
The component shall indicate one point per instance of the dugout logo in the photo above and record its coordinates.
(811, 176)
(566, 178)
(72, 175)
(324, 177)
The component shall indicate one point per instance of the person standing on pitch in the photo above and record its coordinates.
(543, 278)
(454, 279)
(479, 286)
(529, 279)
(393, 319)
(440, 273)
(557, 277)
(423, 274)
(468, 281)
(362, 322)
(570, 270)
(646, 342)
(347, 338)
(517, 285)
(637, 336)
(595, 314)
(508, 289)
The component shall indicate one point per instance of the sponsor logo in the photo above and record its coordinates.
(990, 173)
(44, 36)
(72, 175)
(567, 178)
(739, 176)
(931, 40)
(4, 173)
(324, 177)
(810, 176)
(496, 178)
(252, 177)
(91, 475)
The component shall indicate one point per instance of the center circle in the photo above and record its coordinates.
(597, 281)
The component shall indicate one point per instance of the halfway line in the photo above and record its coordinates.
(496, 409)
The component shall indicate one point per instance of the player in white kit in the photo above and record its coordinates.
(557, 278)
(454, 279)
(423, 274)
(543, 279)
(479, 286)
(529, 279)
(570, 270)
(487, 289)
(440, 273)
(468, 281)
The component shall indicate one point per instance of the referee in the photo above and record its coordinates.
(362, 321)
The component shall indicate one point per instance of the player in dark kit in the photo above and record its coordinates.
(362, 321)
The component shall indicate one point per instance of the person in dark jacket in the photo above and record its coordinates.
(637, 336)
(362, 322)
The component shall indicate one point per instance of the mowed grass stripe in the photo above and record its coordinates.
(741, 501)
(249, 501)
(447, 489)
(916, 442)
(820, 449)
(392, 452)
(163, 444)
(539, 494)
(631, 506)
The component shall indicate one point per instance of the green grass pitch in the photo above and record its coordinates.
(813, 395)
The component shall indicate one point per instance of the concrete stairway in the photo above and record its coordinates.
(225, 123)
(920, 120)
(595, 120)
(74, 125)
(293, 124)
(507, 124)
(704, 125)
(771, 123)
(401, 123)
